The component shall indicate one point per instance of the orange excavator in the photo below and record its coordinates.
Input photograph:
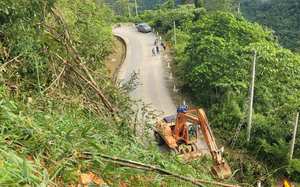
(180, 133)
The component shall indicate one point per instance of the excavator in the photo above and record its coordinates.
(180, 133)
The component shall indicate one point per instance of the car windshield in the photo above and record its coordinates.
(144, 25)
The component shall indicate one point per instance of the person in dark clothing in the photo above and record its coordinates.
(182, 109)
(179, 109)
(157, 49)
(185, 108)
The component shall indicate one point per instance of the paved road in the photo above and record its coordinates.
(153, 89)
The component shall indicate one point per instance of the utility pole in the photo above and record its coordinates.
(136, 12)
(174, 35)
(251, 97)
(294, 135)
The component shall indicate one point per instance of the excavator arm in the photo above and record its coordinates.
(220, 167)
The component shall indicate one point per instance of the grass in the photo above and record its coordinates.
(114, 59)
(43, 148)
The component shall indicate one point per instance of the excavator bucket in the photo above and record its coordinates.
(194, 155)
(223, 170)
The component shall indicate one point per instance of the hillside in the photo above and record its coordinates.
(64, 121)
(146, 4)
(63, 117)
(280, 16)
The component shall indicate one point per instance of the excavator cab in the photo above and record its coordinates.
(192, 132)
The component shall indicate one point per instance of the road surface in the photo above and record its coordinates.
(153, 89)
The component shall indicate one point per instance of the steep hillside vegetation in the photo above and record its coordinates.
(213, 60)
(143, 4)
(61, 114)
(62, 117)
(281, 16)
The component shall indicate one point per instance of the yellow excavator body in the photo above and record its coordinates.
(180, 133)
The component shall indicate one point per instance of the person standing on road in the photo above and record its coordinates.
(153, 52)
(157, 49)
(164, 46)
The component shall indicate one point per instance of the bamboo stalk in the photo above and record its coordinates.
(81, 64)
(216, 183)
(153, 169)
(57, 78)
(5, 64)
(165, 172)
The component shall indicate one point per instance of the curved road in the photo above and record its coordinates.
(153, 89)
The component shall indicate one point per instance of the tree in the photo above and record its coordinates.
(199, 3)
(280, 16)
(215, 68)
(169, 5)
(214, 50)
(184, 2)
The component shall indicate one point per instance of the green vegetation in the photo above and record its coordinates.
(213, 61)
(142, 4)
(60, 111)
(281, 16)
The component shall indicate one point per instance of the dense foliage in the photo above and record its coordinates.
(281, 16)
(59, 109)
(213, 61)
(57, 100)
(143, 4)
(41, 147)
(215, 67)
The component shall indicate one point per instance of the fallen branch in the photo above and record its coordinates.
(134, 164)
(152, 169)
(55, 79)
(216, 183)
(94, 87)
(46, 158)
(6, 63)
(79, 61)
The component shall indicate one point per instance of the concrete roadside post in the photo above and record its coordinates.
(294, 135)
